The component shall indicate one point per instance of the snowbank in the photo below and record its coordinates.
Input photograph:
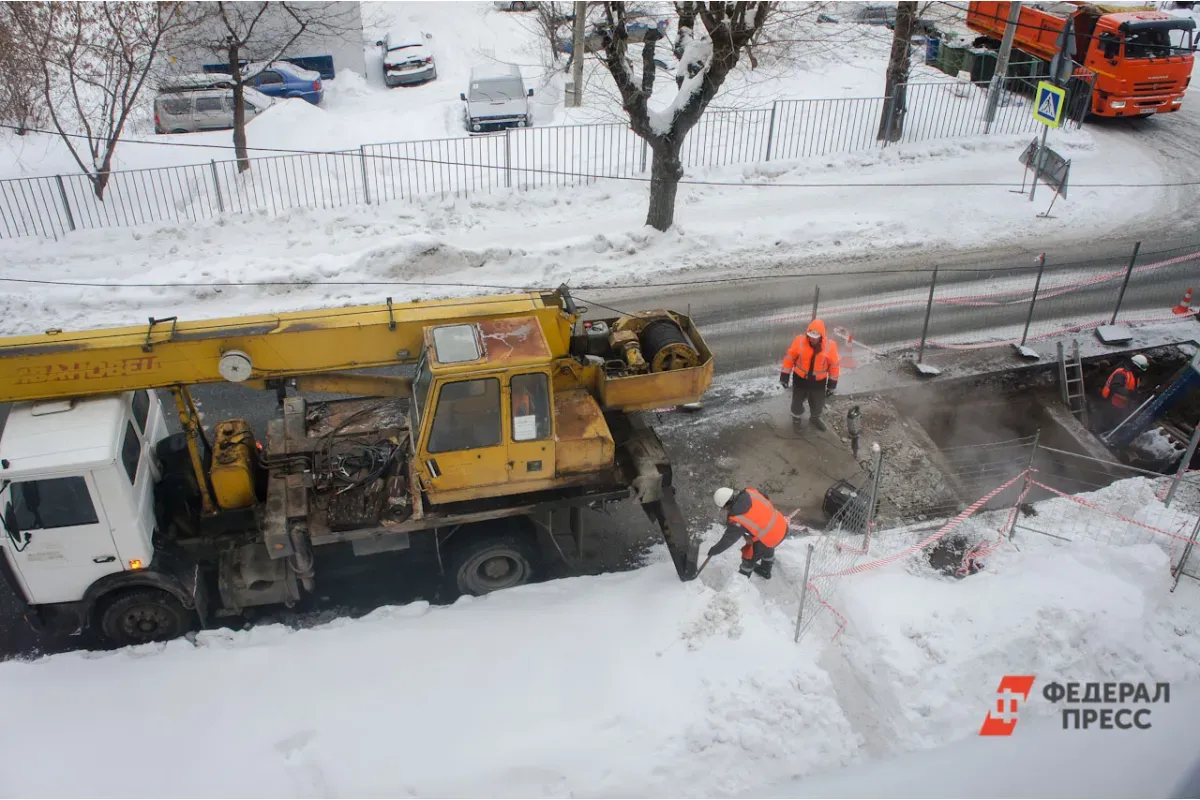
(621, 685)
(593, 234)
(627, 685)
(1039, 760)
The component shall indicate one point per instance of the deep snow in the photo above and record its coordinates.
(624, 684)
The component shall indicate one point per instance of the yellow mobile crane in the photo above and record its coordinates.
(516, 408)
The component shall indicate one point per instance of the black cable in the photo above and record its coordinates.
(1002, 270)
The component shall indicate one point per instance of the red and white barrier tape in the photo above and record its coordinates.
(931, 539)
(1097, 509)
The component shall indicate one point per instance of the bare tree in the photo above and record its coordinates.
(895, 106)
(20, 105)
(242, 32)
(712, 36)
(93, 60)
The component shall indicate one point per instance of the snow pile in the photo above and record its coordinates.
(619, 685)
(622, 685)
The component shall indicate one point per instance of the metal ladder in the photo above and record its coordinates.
(1070, 381)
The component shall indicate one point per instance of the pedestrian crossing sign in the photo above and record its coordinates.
(1048, 104)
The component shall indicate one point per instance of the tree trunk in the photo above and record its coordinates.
(239, 110)
(665, 173)
(100, 181)
(895, 106)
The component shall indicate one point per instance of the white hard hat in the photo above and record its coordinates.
(722, 496)
(1141, 362)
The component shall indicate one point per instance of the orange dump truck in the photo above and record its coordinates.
(1142, 59)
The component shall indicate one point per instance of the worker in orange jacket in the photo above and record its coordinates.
(1120, 390)
(814, 362)
(751, 517)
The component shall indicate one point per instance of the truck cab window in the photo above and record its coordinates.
(530, 407)
(131, 452)
(1110, 44)
(53, 503)
(467, 416)
(141, 408)
(1148, 44)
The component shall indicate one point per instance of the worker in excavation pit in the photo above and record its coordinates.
(752, 517)
(815, 365)
(1120, 391)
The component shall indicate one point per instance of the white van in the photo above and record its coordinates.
(204, 102)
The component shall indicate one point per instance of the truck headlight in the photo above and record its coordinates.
(1117, 104)
(475, 126)
(1177, 101)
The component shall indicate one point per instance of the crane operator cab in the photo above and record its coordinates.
(77, 494)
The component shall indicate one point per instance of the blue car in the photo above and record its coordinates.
(284, 79)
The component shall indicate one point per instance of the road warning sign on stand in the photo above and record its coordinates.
(1048, 104)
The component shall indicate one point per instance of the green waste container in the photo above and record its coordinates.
(983, 67)
(950, 58)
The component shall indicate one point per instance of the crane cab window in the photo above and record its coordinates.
(456, 344)
(131, 452)
(530, 407)
(141, 408)
(467, 416)
(53, 503)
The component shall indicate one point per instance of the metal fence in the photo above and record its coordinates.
(517, 159)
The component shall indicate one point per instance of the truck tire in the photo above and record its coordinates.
(488, 563)
(143, 615)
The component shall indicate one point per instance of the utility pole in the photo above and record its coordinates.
(577, 52)
(1010, 30)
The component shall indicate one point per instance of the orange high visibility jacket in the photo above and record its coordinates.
(1125, 382)
(761, 522)
(804, 361)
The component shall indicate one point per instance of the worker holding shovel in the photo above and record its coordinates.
(752, 517)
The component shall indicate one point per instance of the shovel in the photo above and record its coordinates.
(703, 565)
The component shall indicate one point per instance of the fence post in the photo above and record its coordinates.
(874, 500)
(1120, 297)
(1033, 300)
(771, 130)
(1187, 552)
(217, 185)
(507, 158)
(1016, 513)
(645, 147)
(804, 590)
(362, 160)
(816, 300)
(62, 193)
(1183, 465)
(928, 311)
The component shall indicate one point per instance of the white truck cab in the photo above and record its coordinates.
(77, 492)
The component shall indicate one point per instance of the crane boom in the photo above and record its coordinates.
(169, 352)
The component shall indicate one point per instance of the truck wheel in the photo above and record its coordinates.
(143, 615)
(490, 563)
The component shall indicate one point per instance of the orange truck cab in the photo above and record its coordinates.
(1142, 59)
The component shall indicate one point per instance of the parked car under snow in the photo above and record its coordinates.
(407, 57)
